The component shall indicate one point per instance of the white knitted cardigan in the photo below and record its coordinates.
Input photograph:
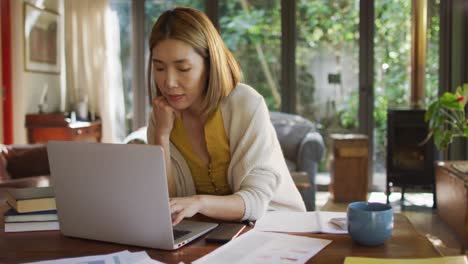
(257, 171)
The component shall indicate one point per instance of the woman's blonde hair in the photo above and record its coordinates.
(195, 28)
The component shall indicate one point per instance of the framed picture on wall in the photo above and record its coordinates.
(41, 40)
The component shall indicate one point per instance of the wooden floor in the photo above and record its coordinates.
(423, 217)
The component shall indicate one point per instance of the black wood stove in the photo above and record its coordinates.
(409, 162)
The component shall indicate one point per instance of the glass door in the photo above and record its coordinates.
(392, 69)
(327, 67)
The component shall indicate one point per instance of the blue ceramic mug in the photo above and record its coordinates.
(370, 224)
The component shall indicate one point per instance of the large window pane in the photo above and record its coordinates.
(327, 64)
(393, 68)
(252, 31)
(392, 49)
(432, 59)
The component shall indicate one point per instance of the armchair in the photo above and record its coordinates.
(23, 166)
(303, 148)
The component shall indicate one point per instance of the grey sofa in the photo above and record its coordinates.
(302, 147)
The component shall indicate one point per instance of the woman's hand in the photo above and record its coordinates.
(184, 207)
(164, 116)
(227, 207)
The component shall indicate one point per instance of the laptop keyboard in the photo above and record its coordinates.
(179, 233)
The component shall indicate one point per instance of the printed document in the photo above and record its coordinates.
(264, 247)
(303, 222)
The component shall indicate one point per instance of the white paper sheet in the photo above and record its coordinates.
(300, 222)
(122, 257)
(262, 247)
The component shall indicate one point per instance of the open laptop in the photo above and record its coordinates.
(116, 193)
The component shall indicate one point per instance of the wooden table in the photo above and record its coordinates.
(35, 246)
(54, 126)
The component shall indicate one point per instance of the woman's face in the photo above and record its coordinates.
(180, 74)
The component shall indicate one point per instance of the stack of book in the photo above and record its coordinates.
(32, 209)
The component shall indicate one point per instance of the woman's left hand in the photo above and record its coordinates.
(183, 207)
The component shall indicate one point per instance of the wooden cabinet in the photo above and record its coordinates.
(55, 126)
(452, 198)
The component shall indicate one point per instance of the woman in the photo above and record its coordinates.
(223, 158)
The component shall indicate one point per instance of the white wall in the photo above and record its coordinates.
(323, 62)
(27, 86)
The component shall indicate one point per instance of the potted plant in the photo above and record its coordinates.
(447, 118)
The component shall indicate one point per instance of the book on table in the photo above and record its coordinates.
(31, 226)
(11, 216)
(27, 200)
(33, 221)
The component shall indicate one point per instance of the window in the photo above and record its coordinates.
(432, 55)
(326, 59)
(327, 64)
(392, 54)
(252, 31)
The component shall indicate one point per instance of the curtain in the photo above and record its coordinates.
(94, 71)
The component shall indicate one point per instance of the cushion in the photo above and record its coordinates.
(136, 137)
(29, 182)
(26, 160)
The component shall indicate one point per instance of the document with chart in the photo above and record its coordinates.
(265, 248)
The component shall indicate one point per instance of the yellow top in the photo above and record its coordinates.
(211, 179)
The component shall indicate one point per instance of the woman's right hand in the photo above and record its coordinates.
(164, 116)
